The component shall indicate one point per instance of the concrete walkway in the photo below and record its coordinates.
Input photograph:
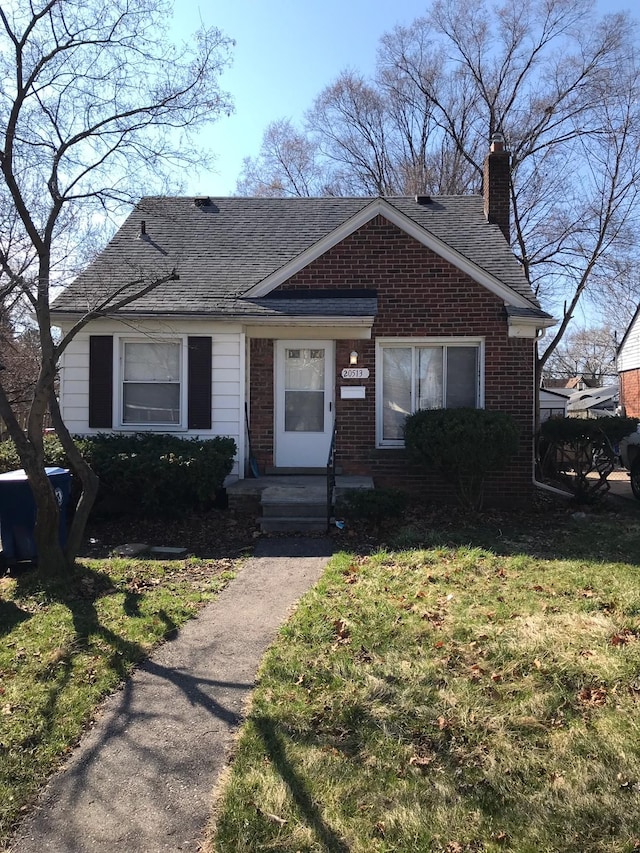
(142, 777)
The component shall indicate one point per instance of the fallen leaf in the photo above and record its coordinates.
(272, 817)
(593, 696)
(495, 676)
(421, 761)
(342, 630)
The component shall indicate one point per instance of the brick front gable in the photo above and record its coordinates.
(419, 295)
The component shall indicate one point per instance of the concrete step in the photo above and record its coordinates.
(299, 510)
(294, 508)
(293, 524)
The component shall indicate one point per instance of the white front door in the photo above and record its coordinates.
(304, 403)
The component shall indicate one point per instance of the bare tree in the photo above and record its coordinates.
(20, 360)
(289, 165)
(589, 352)
(96, 103)
(558, 81)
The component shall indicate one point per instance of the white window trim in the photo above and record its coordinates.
(118, 381)
(383, 343)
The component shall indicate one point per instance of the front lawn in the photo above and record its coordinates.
(453, 698)
(66, 643)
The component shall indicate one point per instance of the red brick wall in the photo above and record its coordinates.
(630, 392)
(261, 401)
(419, 295)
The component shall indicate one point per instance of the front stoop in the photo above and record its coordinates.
(294, 509)
(292, 503)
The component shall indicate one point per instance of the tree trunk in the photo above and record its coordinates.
(87, 477)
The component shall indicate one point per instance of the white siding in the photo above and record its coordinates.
(227, 375)
(629, 355)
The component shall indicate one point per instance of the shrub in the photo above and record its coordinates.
(373, 506)
(54, 455)
(464, 445)
(159, 474)
(147, 473)
(572, 450)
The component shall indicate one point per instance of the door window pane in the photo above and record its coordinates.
(304, 411)
(304, 375)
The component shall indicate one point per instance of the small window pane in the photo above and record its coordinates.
(151, 362)
(155, 403)
(429, 378)
(396, 390)
(462, 372)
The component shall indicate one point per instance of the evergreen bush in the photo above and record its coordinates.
(464, 445)
(147, 473)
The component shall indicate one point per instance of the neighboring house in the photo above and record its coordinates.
(594, 403)
(628, 365)
(309, 312)
(553, 403)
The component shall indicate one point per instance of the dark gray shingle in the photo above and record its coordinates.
(224, 248)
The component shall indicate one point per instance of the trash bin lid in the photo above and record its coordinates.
(14, 476)
(20, 475)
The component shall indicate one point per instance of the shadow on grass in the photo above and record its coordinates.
(549, 529)
(142, 733)
(275, 749)
(10, 616)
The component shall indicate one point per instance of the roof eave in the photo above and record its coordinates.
(528, 327)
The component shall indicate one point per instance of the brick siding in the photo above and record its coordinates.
(419, 295)
(630, 392)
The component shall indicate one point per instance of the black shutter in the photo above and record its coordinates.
(199, 383)
(101, 381)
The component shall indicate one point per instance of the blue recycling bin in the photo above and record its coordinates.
(18, 512)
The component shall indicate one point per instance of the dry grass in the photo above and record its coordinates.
(66, 643)
(450, 699)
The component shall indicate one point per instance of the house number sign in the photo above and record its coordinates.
(355, 372)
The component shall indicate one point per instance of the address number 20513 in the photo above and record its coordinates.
(355, 373)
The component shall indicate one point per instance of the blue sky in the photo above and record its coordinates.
(286, 52)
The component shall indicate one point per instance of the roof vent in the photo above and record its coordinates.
(202, 201)
(423, 199)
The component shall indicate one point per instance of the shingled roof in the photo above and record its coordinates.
(224, 248)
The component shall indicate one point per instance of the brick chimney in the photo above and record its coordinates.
(496, 186)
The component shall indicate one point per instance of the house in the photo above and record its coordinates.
(553, 402)
(314, 313)
(628, 366)
(594, 402)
